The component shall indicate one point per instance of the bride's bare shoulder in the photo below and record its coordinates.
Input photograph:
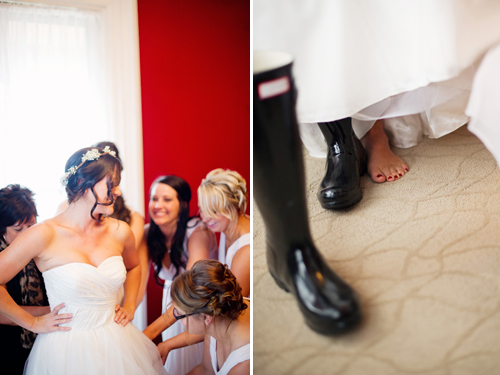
(118, 228)
(47, 226)
(52, 225)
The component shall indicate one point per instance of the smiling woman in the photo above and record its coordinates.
(222, 197)
(173, 242)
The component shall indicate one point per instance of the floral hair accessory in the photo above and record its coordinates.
(90, 155)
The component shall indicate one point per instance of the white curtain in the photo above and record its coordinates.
(52, 95)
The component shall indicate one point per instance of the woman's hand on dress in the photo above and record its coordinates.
(164, 350)
(51, 322)
(123, 315)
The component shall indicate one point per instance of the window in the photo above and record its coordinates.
(60, 91)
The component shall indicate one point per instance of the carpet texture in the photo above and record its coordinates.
(423, 253)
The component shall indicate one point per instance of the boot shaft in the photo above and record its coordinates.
(339, 135)
(279, 186)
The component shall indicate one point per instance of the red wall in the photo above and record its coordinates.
(195, 83)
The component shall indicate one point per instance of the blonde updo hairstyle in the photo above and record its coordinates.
(210, 288)
(223, 192)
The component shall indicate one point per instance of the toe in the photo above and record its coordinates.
(387, 172)
(395, 173)
(378, 176)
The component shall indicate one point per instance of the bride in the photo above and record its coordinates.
(84, 256)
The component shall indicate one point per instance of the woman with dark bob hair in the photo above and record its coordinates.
(207, 299)
(174, 241)
(85, 256)
(17, 214)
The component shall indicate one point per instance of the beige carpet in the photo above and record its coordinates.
(423, 253)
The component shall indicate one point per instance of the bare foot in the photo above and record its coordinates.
(383, 164)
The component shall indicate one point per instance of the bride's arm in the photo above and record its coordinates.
(27, 246)
(125, 313)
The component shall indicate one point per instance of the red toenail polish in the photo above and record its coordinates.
(379, 175)
(406, 169)
(389, 177)
(400, 175)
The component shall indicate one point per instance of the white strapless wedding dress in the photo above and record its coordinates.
(96, 344)
(411, 63)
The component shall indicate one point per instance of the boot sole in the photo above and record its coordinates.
(337, 328)
(320, 327)
(340, 204)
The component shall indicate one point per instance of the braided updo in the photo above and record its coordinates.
(209, 287)
(224, 192)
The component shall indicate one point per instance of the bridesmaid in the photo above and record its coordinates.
(222, 197)
(173, 242)
(217, 311)
(222, 201)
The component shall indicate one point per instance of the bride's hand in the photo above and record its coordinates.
(50, 322)
(123, 315)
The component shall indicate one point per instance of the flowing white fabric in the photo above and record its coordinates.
(484, 108)
(236, 356)
(95, 344)
(183, 360)
(357, 57)
(431, 111)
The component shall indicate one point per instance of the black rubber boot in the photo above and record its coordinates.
(328, 304)
(345, 163)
